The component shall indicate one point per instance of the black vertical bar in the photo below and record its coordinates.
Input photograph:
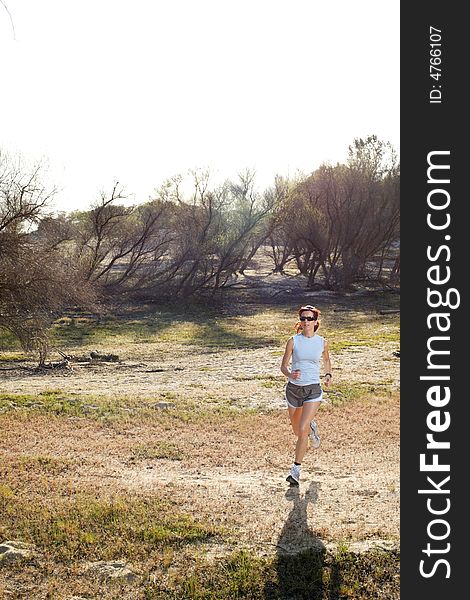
(434, 239)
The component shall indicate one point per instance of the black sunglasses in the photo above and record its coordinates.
(308, 318)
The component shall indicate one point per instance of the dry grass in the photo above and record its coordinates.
(92, 470)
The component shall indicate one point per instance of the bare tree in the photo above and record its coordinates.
(35, 280)
(337, 220)
(211, 234)
(113, 243)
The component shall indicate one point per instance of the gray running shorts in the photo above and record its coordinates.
(297, 395)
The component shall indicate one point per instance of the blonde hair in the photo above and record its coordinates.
(316, 313)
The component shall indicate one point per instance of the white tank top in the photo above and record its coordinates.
(306, 356)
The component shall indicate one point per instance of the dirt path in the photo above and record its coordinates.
(233, 375)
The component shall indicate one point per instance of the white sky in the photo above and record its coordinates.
(141, 90)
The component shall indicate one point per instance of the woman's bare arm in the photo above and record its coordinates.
(327, 363)
(286, 359)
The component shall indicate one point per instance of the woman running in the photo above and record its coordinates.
(303, 391)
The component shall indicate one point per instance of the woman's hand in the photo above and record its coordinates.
(327, 379)
(295, 374)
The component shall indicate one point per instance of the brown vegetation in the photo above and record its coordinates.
(338, 226)
(173, 460)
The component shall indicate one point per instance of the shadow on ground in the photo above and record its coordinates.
(300, 561)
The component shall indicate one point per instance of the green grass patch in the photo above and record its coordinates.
(58, 403)
(189, 410)
(6, 492)
(168, 410)
(212, 329)
(13, 357)
(195, 325)
(343, 340)
(312, 575)
(344, 392)
(123, 409)
(270, 384)
(8, 342)
(82, 526)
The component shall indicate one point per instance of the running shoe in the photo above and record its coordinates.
(313, 435)
(294, 475)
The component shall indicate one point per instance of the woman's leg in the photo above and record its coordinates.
(307, 413)
(294, 416)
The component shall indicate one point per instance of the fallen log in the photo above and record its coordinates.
(61, 364)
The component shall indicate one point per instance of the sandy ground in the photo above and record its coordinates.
(233, 375)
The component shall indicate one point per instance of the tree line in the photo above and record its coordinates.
(336, 226)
